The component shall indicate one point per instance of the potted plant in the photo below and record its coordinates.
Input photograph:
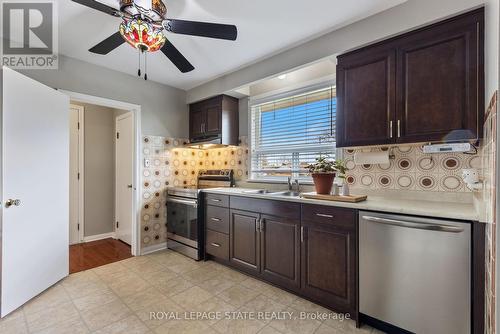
(323, 173)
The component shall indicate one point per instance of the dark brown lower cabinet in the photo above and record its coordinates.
(280, 251)
(244, 241)
(328, 265)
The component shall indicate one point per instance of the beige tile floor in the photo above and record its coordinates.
(118, 298)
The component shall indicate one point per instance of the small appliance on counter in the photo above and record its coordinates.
(184, 212)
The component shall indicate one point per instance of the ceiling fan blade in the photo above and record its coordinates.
(203, 29)
(99, 6)
(109, 44)
(176, 57)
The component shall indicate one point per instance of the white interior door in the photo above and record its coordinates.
(75, 174)
(35, 189)
(124, 176)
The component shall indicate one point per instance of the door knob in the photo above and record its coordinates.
(12, 202)
(129, 186)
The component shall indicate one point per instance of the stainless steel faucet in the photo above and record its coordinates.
(289, 182)
(297, 184)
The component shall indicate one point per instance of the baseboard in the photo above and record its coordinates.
(154, 248)
(99, 237)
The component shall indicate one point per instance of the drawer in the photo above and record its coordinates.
(217, 244)
(217, 200)
(341, 217)
(271, 207)
(217, 219)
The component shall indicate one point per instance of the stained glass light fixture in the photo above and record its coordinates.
(142, 35)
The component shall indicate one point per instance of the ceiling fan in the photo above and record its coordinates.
(143, 25)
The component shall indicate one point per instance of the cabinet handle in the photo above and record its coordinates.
(399, 128)
(391, 131)
(215, 200)
(257, 225)
(324, 215)
(215, 219)
(302, 234)
(214, 244)
(261, 225)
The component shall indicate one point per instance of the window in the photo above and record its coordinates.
(289, 133)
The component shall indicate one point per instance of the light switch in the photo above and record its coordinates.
(147, 163)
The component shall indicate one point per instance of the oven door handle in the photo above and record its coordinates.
(194, 204)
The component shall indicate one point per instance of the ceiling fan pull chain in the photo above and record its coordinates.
(139, 70)
(145, 66)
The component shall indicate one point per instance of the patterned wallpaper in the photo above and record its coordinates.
(173, 165)
(411, 169)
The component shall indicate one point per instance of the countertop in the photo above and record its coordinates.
(434, 209)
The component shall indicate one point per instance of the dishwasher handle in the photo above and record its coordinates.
(415, 225)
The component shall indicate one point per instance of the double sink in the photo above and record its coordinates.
(287, 193)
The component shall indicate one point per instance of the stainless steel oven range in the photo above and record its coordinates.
(185, 226)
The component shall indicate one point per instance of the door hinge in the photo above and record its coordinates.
(117, 224)
(78, 176)
(118, 135)
(78, 226)
(78, 125)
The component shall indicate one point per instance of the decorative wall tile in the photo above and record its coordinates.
(489, 161)
(173, 165)
(411, 169)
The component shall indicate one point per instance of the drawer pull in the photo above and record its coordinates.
(215, 200)
(215, 244)
(324, 215)
(215, 219)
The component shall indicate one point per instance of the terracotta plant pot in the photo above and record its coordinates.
(323, 182)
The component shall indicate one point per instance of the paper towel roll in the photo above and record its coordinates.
(371, 158)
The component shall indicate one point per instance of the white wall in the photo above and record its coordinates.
(99, 169)
(164, 110)
(407, 16)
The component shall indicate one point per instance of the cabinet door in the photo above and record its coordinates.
(213, 122)
(280, 251)
(196, 121)
(329, 265)
(244, 240)
(366, 97)
(439, 71)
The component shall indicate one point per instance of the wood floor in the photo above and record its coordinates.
(96, 253)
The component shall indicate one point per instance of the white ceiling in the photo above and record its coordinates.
(265, 27)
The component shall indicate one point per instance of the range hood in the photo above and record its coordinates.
(207, 143)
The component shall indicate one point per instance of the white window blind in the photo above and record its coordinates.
(289, 133)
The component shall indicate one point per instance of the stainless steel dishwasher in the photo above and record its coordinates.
(414, 273)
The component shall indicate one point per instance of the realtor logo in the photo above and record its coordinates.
(29, 30)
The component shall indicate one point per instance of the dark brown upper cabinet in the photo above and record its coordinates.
(423, 86)
(366, 94)
(214, 120)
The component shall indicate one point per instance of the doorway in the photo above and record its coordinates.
(103, 192)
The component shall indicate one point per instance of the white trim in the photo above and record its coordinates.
(136, 109)
(100, 101)
(99, 237)
(154, 248)
(292, 90)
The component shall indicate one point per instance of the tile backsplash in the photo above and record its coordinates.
(173, 165)
(489, 203)
(411, 169)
